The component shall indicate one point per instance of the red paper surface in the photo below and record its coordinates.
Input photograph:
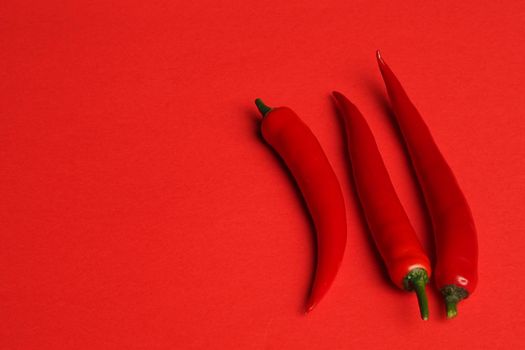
(139, 208)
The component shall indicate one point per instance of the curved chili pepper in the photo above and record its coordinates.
(289, 136)
(394, 236)
(453, 225)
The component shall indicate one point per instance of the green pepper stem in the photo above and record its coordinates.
(264, 109)
(452, 308)
(416, 280)
(422, 300)
(453, 295)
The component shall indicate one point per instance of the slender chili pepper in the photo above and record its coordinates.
(291, 138)
(453, 225)
(394, 236)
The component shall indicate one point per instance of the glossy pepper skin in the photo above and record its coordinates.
(455, 234)
(395, 238)
(295, 143)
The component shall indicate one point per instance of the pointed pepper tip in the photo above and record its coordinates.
(379, 57)
(309, 307)
(337, 95)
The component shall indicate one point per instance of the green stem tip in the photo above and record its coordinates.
(452, 308)
(453, 295)
(264, 109)
(417, 280)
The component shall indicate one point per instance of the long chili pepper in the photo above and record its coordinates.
(455, 234)
(291, 138)
(394, 236)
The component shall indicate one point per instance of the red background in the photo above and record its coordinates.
(139, 208)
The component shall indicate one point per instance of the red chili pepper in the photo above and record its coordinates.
(299, 148)
(453, 225)
(394, 236)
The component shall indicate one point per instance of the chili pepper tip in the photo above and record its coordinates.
(340, 98)
(379, 57)
(337, 94)
(309, 307)
(264, 109)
